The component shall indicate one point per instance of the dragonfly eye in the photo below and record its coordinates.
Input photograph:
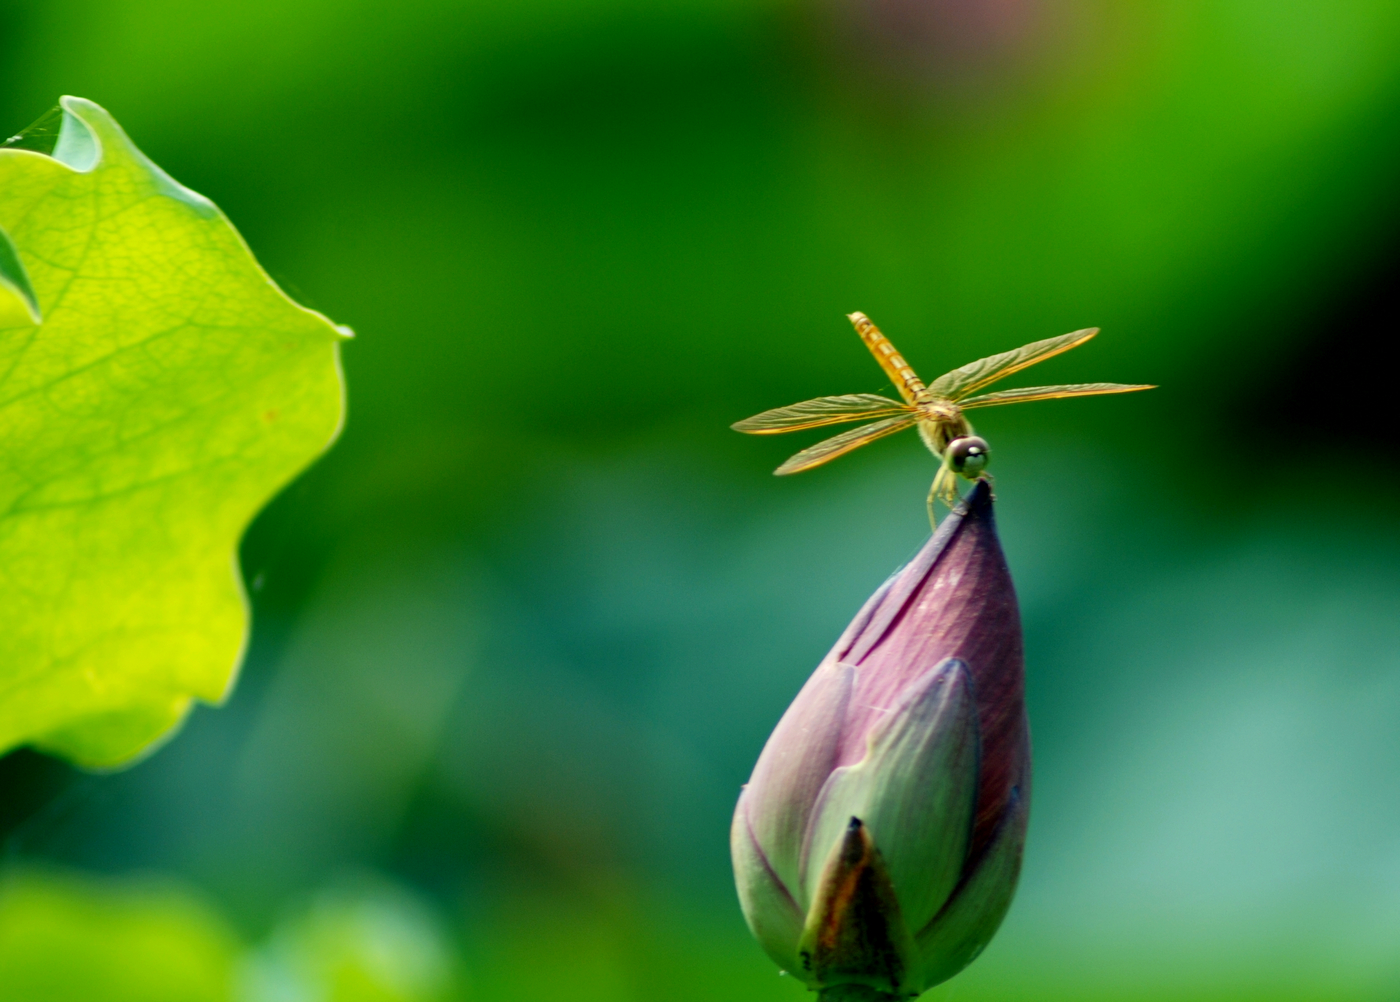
(969, 456)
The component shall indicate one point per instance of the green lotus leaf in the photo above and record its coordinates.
(156, 389)
(65, 937)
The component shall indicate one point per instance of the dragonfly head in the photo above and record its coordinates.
(969, 456)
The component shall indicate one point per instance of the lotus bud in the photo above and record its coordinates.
(877, 844)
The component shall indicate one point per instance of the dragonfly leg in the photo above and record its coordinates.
(945, 488)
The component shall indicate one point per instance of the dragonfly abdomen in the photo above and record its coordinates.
(910, 386)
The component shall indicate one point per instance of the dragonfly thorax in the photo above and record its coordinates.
(941, 421)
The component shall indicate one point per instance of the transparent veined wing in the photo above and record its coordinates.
(970, 378)
(839, 445)
(819, 412)
(1050, 393)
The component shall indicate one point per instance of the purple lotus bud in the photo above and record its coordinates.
(878, 842)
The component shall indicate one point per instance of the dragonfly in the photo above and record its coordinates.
(936, 409)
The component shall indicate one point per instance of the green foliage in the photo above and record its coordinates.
(365, 941)
(64, 939)
(68, 937)
(167, 391)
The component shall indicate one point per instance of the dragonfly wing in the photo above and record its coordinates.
(1050, 393)
(819, 412)
(839, 445)
(973, 376)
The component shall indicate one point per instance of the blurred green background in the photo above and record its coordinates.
(519, 638)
